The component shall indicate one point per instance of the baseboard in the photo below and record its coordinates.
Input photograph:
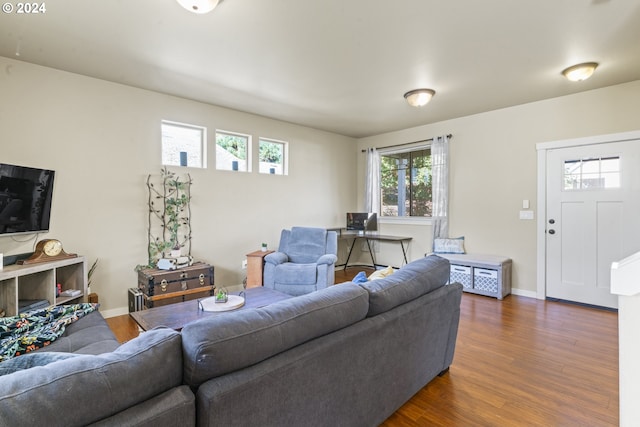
(524, 293)
(114, 312)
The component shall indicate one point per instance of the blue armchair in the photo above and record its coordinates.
(305, 261)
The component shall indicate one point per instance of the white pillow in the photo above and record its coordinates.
(380, 274)
(448, 246)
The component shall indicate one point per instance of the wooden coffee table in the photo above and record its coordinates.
(175, 316)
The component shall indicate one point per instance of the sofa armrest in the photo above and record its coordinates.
(327, 259)
(276, 258)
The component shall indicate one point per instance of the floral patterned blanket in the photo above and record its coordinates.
(35, 329)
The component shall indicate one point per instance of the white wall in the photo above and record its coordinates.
(103, 139)
(493, 168)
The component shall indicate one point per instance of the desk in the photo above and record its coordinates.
(374, 237)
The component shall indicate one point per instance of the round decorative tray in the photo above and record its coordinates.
(210, 304)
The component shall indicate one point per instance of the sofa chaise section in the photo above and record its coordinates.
(142, 377)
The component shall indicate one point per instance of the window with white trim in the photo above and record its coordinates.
(272, 156)
(183, 144)
(233, 151)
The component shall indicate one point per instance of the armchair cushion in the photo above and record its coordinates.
(306, 244)
(297, 274)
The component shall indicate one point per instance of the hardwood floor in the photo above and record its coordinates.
(518, 362)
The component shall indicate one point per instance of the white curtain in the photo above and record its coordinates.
(440, 195)
(372, 184)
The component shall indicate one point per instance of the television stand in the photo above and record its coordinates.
(38, 282)
(13, 259)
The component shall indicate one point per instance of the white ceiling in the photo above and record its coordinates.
(340, 66)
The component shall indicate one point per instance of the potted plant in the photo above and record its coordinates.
(222, 296)
(90, 273)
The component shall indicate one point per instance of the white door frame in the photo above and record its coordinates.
(541, 239)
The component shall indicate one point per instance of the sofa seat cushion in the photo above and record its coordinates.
(410, 282)
(296, 274)
(87, 388)
(37, 329)
(231, 341)
(91, 335)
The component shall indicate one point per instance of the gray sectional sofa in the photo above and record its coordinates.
(347, 355)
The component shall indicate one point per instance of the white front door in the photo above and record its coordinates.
(592, 218)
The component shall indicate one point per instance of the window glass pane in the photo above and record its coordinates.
(611, 180)
(610, 165)
(405, 183)
(232, 151)
(421, 191)
(587, 174)
(182, 144)
(271, 157)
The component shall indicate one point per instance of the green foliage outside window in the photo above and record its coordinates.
(234, 144)
(405, 183)
(271, 152)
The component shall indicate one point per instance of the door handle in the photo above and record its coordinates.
(552, 231)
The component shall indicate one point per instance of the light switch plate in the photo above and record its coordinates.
(526, 214)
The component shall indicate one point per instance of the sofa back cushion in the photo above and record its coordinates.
(411, 281)
(87, 388)
(231, 341)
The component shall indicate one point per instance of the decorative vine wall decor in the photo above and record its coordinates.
(169, 227)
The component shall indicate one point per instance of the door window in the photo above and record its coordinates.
(592, 173)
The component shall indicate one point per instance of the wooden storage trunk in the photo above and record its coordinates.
(162, 287)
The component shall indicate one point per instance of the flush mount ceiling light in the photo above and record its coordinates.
(580, 72)
(199, 6)
(419, 97)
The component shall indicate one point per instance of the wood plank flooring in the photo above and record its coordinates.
(518, 362)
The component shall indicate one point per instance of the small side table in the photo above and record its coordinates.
(255, 265)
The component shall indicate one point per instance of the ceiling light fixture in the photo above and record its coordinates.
(419, 97)
(580, 72)
(199, 6)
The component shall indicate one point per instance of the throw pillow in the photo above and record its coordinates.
(380, 274)
(449, 246)
(361, 277)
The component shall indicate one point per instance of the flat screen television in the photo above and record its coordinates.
(25, 199)
(362, 221)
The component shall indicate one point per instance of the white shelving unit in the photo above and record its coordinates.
(38, 282)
